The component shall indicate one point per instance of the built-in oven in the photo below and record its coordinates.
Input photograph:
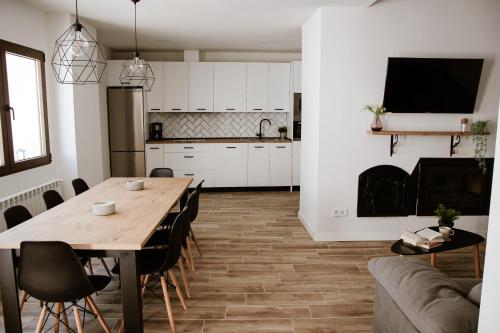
(297, 116)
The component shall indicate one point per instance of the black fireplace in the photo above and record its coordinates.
(458, 183)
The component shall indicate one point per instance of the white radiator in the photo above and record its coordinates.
(30, 198)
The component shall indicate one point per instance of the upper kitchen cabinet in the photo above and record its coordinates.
(201, 87)
(176, 86)
(114, 68)
(297, 76)
(229, 87)
(154, 98)
(279, 87)
(257, 87)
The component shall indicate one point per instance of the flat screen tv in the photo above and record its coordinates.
(432, 85)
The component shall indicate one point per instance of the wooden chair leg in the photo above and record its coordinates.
(98, 314)
(65, 318)
(477, 261)
(188, 262)
(22, 300)
(184, 278)
(177, 289)
(190, 253)
(105, 266)
(41, 319)
(433, 259)
(89, 265)
(78, 320)
(167, 303)
(195, 241)
(146, 280)
(57, 317)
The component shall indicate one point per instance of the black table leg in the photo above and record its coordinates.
(10, 298)
(131, 295)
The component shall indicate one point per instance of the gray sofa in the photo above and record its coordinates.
(412, 296)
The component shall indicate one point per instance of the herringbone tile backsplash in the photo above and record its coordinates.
(210, 125)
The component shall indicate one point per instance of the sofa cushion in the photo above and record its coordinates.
(474, 294)
(431, 301)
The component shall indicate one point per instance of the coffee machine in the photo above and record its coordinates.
(156, 131)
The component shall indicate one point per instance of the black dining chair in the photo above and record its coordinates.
(79, 186)
(161, 172)
(13, 217)
(51, 272)
(194, 215)
(52, 198)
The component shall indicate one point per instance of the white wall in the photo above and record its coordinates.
(31, 33)
(355, 44)
(490, 302)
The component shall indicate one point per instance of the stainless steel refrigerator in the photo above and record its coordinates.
(126, 132)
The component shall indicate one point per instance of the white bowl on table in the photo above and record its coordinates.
(135, 185)
(103, 208)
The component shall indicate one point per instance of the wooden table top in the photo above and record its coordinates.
(138, 214)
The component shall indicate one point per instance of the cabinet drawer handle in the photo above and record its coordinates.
(188, 156)
(154, 148)
(230, 147)
(200, 109)
(279, 109)
(280, 147)
(176, 109)
(189, 174)
(257, 109)
(155, 109)
(258, 146)
(188, 147)
(230, 109)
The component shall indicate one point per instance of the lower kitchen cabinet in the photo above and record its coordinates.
(231, 165)
(296, 163)
(280, 164)
(258, 164)
(154, 157)
(208, 176)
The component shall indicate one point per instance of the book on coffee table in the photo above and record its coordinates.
(425, 238)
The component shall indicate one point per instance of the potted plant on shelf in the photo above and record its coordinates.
(377, 110)
(480, 141)
(447, 216)
(282, 131)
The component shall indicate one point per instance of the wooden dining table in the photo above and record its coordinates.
(120, 235)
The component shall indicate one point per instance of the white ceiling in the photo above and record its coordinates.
(251, 25)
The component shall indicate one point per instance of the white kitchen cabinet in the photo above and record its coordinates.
(114, 68)
(257, 87)
(280, 166)
(176, 86)
(230, 87)
(258, 164)
(279, 87)
(154, 98)
(231, 164)
(201, 87)
(154, 157)
(189, 161)
(208, 176)
(189, 148)
(297, 76)
(296, 163)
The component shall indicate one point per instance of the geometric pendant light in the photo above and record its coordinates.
(77, 57)
(137, 72)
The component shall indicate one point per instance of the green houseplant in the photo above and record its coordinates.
(480, 141)
(282, 130)
(447, 216)
(377, 111)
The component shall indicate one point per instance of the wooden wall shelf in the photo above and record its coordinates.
(455, 137)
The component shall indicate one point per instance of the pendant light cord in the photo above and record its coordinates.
(135, 28)
(76, 5)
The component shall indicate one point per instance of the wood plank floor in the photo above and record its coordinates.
(261, 272)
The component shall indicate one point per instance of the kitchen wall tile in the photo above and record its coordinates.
(209, 125)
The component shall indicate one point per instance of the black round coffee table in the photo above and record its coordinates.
(460, 239)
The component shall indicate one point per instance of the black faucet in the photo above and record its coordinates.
(260, 127)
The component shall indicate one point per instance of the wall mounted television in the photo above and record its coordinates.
(432, 85)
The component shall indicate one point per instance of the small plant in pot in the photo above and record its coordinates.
(480, 141)
(377, 110)
(282, 130)
(447, 216)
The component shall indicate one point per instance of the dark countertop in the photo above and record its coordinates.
(221, 140)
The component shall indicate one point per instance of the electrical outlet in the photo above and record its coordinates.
(339, 212)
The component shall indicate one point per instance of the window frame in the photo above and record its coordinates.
(11, 166)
